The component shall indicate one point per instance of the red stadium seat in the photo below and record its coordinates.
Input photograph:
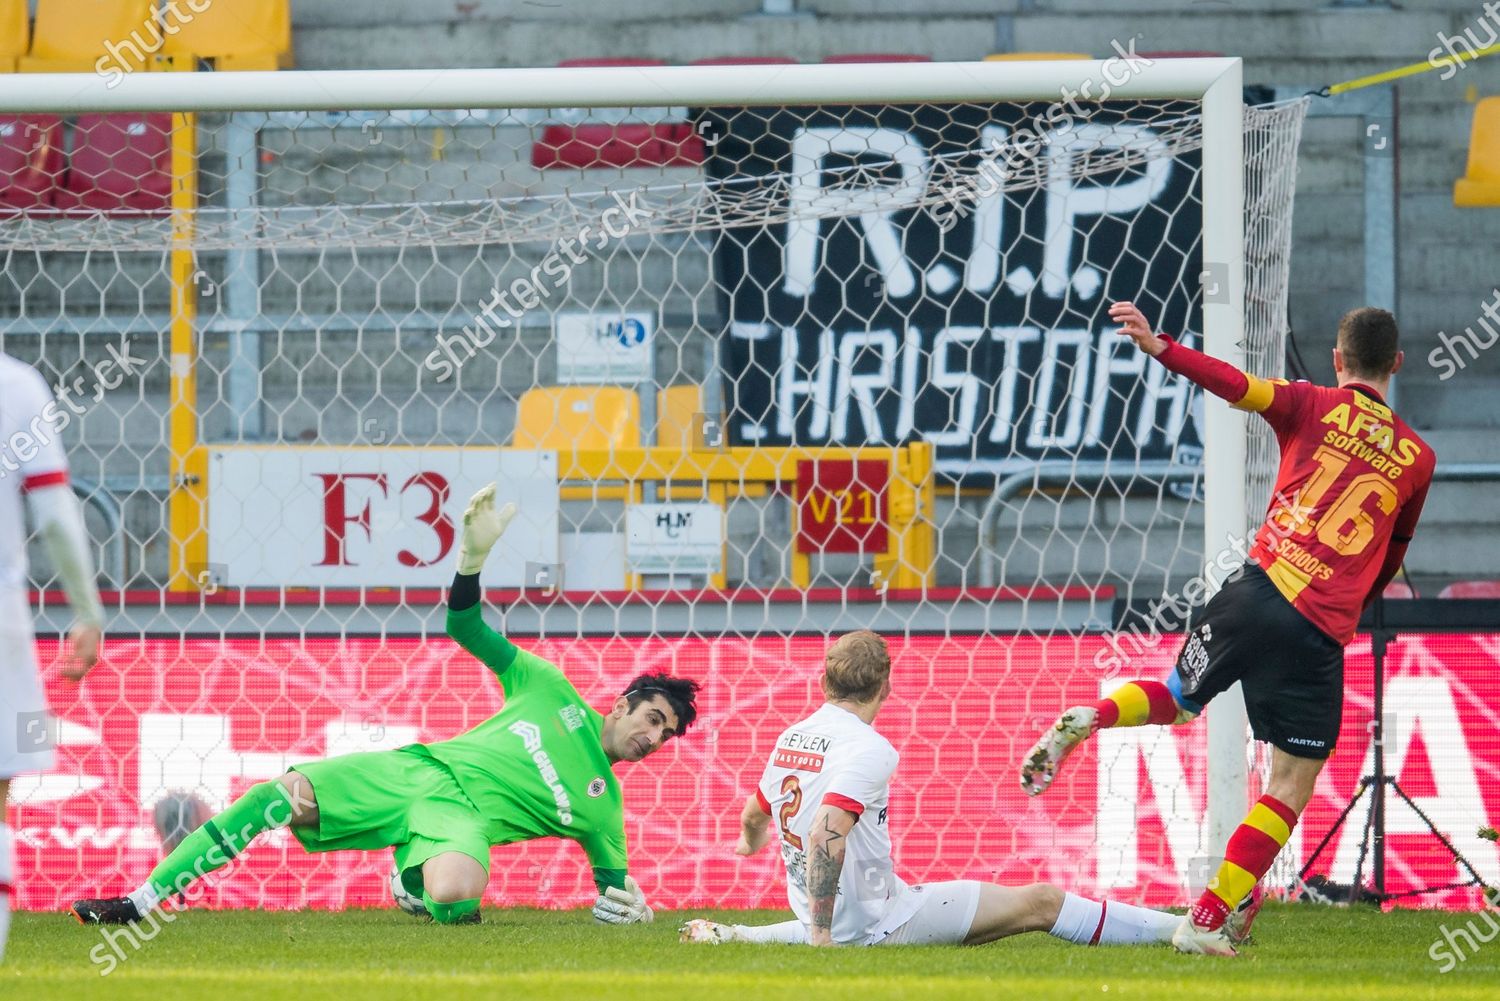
(31, 160)
(120, 162)
(1398, 589)
(613, 61)
(618, 144)
(878, 57)
(1471, 589)
(745, 61)
(1034, 57)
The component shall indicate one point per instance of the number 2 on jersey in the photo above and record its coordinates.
(789, 810)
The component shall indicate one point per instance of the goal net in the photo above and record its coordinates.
(759, 365)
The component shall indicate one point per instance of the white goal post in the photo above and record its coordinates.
(1215, 132)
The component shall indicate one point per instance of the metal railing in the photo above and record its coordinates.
(1063, 472)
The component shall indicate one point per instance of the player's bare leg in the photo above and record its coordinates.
(287, 801)
(452, 885)
(1220, 920)
(1012, 910)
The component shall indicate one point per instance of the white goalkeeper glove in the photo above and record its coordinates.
(483, 526)
(623, 907)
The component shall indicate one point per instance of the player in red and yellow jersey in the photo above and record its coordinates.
(1351, 485)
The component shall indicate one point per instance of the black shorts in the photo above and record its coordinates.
(1293, 673)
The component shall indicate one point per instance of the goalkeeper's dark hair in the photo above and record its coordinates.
(1368, 340)
(681, 694)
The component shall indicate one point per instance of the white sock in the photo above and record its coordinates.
(792, 932)
(145, 898)
(1094, 922)
(7, 879)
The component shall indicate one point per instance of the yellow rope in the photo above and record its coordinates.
(1412, 70)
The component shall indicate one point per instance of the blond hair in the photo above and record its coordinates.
(857, 667)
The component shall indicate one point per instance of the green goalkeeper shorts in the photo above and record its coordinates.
(403, 799)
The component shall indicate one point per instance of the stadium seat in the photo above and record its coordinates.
(31, 160)
(745, 61)
(578, 417)
(15, 33)
(1397, 590)
(878, 57)
(613, 61)
(1026, 57)
(1480, 185)
(1471, 589)
(245, 35)
(617, 144)
(78, 36)
(120, 162)
(676, 408)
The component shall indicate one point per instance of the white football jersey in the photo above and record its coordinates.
(31, 456)
(835, 757)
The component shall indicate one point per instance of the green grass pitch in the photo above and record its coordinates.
(1302, 952)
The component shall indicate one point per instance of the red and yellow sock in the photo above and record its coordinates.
(1251, 850)
(1137, 703)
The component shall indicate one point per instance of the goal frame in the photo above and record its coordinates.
(1215, 83)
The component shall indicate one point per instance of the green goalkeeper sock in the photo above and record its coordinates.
(451, 914)
(216, 843)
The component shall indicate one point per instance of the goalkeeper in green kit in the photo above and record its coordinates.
(541, 767)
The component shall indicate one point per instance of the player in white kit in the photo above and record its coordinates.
(32, 464)
(827, 788)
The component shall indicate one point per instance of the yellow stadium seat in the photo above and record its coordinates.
(1014, 57)
(676, 409)
(244, 35)
(15, 33)
(578, 417)
(86, 36)
(1480, 185)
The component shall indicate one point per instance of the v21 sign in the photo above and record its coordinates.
(842, 506)
(361, 517)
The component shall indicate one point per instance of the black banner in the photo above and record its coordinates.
(979, 324)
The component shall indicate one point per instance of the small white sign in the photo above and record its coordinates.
(675, 537)
(604, 347)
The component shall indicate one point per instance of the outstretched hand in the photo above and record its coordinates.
(83, 652)
(1134, 326)
(483, 526)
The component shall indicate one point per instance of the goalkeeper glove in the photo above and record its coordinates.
(483, 526)
(623, 907)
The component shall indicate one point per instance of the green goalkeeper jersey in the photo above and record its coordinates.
(537, 768)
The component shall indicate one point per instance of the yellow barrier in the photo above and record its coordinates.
(187, 504)
(907, 561)
(622, 474)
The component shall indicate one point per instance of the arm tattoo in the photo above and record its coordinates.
(823, 870)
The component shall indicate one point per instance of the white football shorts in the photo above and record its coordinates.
(944, 916)
(27, 730)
